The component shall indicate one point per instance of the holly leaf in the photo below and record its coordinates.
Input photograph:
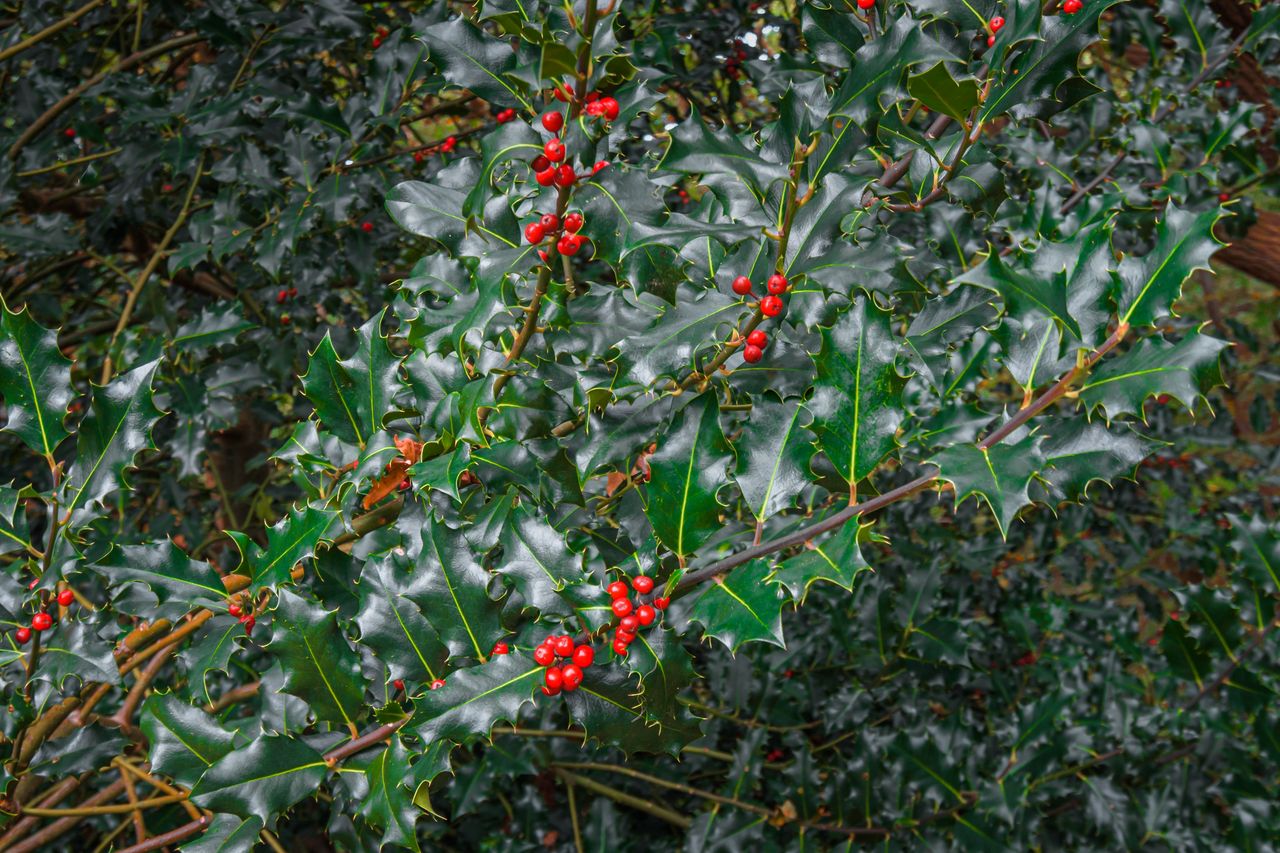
(226, 833)
(118, 425)
(696, 149)
(836, 560)
(1026, 295)
(393, 626)
(857, 400)
(75, 650)
(184, 740)
(671, 345)
(1148, 286)
(470, 58)
(741, 608)
(262, 779)
(214, 326)
(877, 69)
(1081, 453)
(1258, 544)
(351, 396)
(453, 593)
(35, 381)
(537, 561)
(687, 472)
(476, 699)
(1000, 475)
(612, 709)
(940, 92)
(290, 540)
(319, 666)
(389, 804)
(1185, 370)
(773, 457)
(13, 522)
(166, 570)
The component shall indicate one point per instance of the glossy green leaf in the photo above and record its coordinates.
(942, 93)
(292, 539)
(687, 472)
(1079, 454)
(167, 571)
(184, 741)
(999, 476)
(393, 626)
(697, 149)
(740, 607)
(475, 699)
(773, 456)
(262, 779)
(319, 666)
(389, 804)
(35, 381)
(470, 58)
(670, 348)
(837, 559)
(1149, 285)
(1185, 371)
(453, 593)
(1026, 294)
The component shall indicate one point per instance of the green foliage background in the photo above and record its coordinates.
(248, 253)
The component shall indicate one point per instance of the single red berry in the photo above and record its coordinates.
(419, 156)
(546, 177)
(533, 232)
(383, 32)
(569, 244)
(281, 297)
(627, 637)
(562, 93)
(997, 24)
(600, 164)
(544, 655)
(572, 676)
(620, 648)
(565, 176)
(554, 150)
(864, 5)
(22, 635)
(752, 354)
(757, 338)
(610, 108)
(248, 625)
(234, 610)
(167, 188)
(617, 589)
(564, 646)
(1175, 616)
(646, 614)
(777, 284)
(554, 677)
(377, 42)
(549, 222)
(547, 691)
(630, 624)
(293, 291)
(501, 649)
(42, 622)
(592, 97)
(543, 254)
(661, 603)
(1224, 197)
(991, 41)
(405, 485)
(621, 607)
(366, 227)
(553, 121)
(398, 685)
(69, 133)
(771, 306)
(284, 320)
(1072, 6)
(573, 222)
(437, 684)
(584, 656)
(742, 285)
(642, 584)
(66, 597)
(540, 163)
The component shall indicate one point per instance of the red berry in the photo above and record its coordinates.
(281, 297)
(1072, 6)
(553, 121)
(555, 677)
(627, 637)
(383, 32)
(248, 625)
(742, 285)
(584, 656)
(42, 622)
(565, 176)
(991, 41)
(549, 222)
(540, 163)
(757, 338)
(366, 227)
(167, 188)
(562, 94)
(505, 116)
(620, 648)
(630, 624)
(573, 222)
(752, 354)
(1224, 197)
(284, 320)
(569, 244)
(609, 108)
(22, 635)
(533, 232)
(600, 164)
(572, 676)
(293, 291)
(642, 584)
(621, 607)
(864, 5)
(554, 150)
(997, 23)
(546, 177)
(564, 646)
(544, 655)
(661, 603)
(437, 684)
(617, 589)
(543, 255)
(547, 691)
(66, 597)
(234, 610)
(450, 143)
(771, 306)
(777, 284)
(646, 614)
(398, 684)
(501, 649)
(69, 133)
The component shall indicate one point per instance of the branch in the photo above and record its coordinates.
(647, 806)
(1222, 677)
(51, 30)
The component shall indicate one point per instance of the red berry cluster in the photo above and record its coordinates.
(770, 306)
(549, 225)
(42, 621)
(568, 676)
(632, 616)
(598, 107)
(286, 294)
(380, 37)
(997, 24)
(245, 616)
(505, 116)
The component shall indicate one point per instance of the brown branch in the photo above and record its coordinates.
(51, 30)
(363, 742)
(1222, 677)
(647, 806)
(171, 837)
(41, 840)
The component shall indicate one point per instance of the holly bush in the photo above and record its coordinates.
(548, 425)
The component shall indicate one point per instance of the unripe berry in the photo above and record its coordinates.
(752, 354)
(66, 597)
(366, 227)
(771, 306)
(540, 163)
(554, 677)
(553, 121)
(642, 584)
(629, 623)
(564, 646)
(584, 656)
(757, 338)
(565, 176)
(549, 222)
(646, 614)
(620, 648)
(742, 285)
(617, 589)
(573, 222)
(533, 232)
(544, 655)
(569, 244)
(437, 684)
(997, 24)
(501, 649)
(777, 284)
(43, 621)
(22, 635)
(661, 603)
(554, 150)
(572, 676)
